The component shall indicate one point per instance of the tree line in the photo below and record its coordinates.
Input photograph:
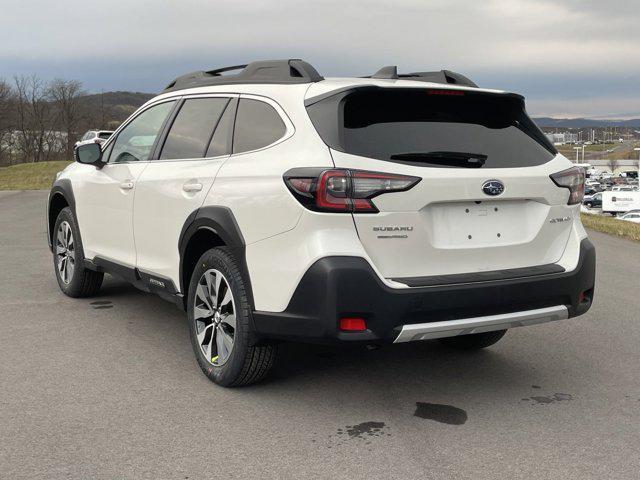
(41, 120)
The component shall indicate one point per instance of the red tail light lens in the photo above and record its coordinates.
(340, 190)
(573, 179)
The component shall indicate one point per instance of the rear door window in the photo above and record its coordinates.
(432, 128)
(193, 128)
(257, 126)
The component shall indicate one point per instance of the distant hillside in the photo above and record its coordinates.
(116, 105)
(585, 122)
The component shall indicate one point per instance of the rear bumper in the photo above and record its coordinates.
(338, 287)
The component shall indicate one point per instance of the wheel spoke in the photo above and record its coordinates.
(229, 319)
(61, 240)
(209, 289)
(227, 297)
(216, 299)
(199, 312)
(201, 293)
(70, 269)
(224, 343)
(63, 270)
(203, 333)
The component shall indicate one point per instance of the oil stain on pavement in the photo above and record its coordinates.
(365, 431)
(441, 413)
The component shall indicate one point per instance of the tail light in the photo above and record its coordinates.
(573, 179)
(343, 191)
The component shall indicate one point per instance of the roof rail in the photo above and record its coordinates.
(290, 71)
(443, 76)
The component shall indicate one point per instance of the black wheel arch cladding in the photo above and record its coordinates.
(220, 221)
(60, 196)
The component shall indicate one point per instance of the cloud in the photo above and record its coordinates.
(125, 43)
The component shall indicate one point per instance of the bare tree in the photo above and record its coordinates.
(5, 122)
(34, 117)
(613, 163)
(65, 95)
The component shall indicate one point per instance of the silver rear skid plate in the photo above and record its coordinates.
(466, 326)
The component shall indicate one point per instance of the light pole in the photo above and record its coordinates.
(577, 149)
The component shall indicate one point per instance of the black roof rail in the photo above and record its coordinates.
(442, 76)
(291, 71)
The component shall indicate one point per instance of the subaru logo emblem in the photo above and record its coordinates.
(493, 187)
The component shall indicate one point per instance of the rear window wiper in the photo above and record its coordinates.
(451, 159)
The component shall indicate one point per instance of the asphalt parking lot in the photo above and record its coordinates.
(108, 387)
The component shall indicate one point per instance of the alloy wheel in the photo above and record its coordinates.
(215, 315)
(65, 252)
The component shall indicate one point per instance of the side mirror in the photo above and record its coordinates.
(89, 154)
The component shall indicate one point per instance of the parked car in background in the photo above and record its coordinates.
(94, 136)
(630, 174)
(631, 217)
(593, 201)
(624, 188)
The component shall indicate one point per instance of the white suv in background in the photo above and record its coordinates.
(94, 136)
(275, 204)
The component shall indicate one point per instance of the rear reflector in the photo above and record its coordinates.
(353, 324)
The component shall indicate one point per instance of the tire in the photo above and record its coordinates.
(68, 259)
(589, 205)
(475, 341)
(221, 328)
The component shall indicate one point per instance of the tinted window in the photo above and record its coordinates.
(434, 128)
(104, 135)
(134, 142)
(221, 141)
(193, 127)
(257, 125)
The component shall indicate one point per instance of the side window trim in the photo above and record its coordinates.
(290, 128)
(114, 136)
(164, 132)
(206, 147)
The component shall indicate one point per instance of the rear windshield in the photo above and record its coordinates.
(432, 128)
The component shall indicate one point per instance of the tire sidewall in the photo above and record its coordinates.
(219, 259)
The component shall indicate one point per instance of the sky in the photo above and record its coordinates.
(570, 58)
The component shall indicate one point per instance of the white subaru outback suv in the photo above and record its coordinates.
(274, 204)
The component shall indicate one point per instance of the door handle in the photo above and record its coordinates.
(127, 185)
(192, 187)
